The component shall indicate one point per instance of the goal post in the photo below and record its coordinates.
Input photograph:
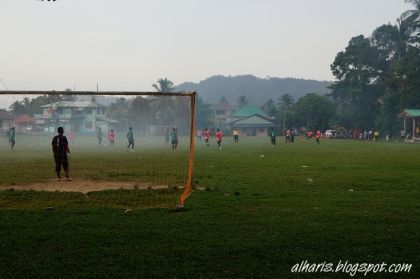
(173, 118)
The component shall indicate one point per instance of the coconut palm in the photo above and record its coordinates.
(285, 103)
(164, 85)
(164, 106)
(412, 19)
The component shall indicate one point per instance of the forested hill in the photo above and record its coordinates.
(257, 90)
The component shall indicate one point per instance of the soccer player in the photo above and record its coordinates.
(12, 141)
(207, 136)
(288, 135)
(309, 134)
(99, 135)
(130, 137)
(318, 136)
(111, 137)
(273, 137)
(292, 136)
(166, 135)
(199, 134)
(236, 135)
(60, 148)
(174, 138)
(219, 136)
(70, 135)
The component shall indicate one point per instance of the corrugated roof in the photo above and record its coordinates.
(248, 111)
(254, 120)
(4, 115)
(76, 104)
(409, 113)
(23, 118)
(106, 119)
(223, 106)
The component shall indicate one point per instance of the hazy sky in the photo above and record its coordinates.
(129, 44)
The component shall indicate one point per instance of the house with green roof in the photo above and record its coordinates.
(413, 116)
(252, 121)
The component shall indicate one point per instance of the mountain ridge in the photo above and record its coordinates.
(257, 90)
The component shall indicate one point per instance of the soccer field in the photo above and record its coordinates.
(262, 210)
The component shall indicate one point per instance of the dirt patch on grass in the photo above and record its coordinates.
(82, 186)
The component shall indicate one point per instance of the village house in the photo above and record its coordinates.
(82, 117)
(252, 121)
(6, 121)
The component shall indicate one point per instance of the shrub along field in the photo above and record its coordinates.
(256, 212)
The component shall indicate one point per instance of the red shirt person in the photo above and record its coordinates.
(111, 137)
(207, 136)
(219, 136)
(318, 136)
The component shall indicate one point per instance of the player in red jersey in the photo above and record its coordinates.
(318, 136)
(219, 136)
(207, 136)
(111, 137)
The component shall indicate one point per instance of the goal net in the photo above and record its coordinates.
(116, 149)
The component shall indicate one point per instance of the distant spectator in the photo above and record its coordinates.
(403, 134)
(236, 135)
(376, 135)
(288, 135)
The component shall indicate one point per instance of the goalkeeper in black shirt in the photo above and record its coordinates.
(60, 148)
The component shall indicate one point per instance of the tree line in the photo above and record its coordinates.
(377, 77)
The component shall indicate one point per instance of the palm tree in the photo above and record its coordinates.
(412, 19)
(412, 13)
(164, 85)
(164, 106)
(285, 102)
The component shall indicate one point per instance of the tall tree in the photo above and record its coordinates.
(164, 107)
(358, 83)
(164, 85)
(285, 104)
(314, 111)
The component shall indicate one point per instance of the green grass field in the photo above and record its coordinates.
(259, 215)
